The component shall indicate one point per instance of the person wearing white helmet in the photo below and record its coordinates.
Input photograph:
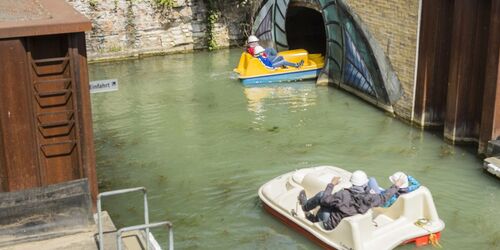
(272, 64)
(253, 42)
(346, 202)
(410, 184)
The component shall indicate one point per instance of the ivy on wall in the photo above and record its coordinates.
(212, 17)
(216, 10)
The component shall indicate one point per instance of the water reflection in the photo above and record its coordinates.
(295, 97)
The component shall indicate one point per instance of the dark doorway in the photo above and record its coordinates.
(305, 29)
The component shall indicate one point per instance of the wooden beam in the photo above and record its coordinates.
(18, 166)
(433, 62)
(467, 68)
(490, 125)
(78, 52)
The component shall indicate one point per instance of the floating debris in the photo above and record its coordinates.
(446, 151)
(273, 129)
(162, 179)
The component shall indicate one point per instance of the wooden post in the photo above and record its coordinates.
(490, 125)
(433, 63)
(467, 68)
(18, 160)
(79, 53)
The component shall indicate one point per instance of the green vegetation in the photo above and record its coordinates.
(165, 3)
(93, 4)
(212, 18)
(114, 49)
(216, 10)
(130, 26)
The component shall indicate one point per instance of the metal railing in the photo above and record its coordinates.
(145, 226)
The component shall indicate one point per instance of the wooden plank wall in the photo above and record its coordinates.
(434, 58)
(78, 52)
(490, 122)
(457, 75)
(467, 68)
(19, 163)
(45, 118)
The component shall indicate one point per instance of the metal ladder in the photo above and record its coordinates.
(146, 226)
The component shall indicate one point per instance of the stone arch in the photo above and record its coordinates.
(353, 59)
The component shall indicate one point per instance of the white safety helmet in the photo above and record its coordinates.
(399, 175)
(252, 39)
(258, 50)
(359, 178)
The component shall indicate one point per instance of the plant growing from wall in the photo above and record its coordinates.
(216, 10)
(130, 26)
(212, 18)
(165, 3)
(93, 4)
(115, 2)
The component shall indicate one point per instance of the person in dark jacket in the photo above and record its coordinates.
(346, 202)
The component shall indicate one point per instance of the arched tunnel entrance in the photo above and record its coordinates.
(353, 59)
(305, 29)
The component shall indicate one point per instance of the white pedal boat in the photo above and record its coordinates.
(379, 228)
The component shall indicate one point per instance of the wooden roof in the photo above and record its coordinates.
(20, 18)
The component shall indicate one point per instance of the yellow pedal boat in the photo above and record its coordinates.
(252, 71)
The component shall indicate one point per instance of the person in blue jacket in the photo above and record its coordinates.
(410, 184)
(260, 54)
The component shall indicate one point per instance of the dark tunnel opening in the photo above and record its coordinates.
(305, 29)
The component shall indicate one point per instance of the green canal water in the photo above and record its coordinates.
(202, 144)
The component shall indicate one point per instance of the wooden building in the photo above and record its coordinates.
(45, 111)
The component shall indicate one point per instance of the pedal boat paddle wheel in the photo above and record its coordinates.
(412, 218)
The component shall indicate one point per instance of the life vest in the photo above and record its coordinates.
(251, 51)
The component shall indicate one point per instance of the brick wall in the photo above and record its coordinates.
(394, 24)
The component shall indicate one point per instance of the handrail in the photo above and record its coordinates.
(116, 192)
(147, 226)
